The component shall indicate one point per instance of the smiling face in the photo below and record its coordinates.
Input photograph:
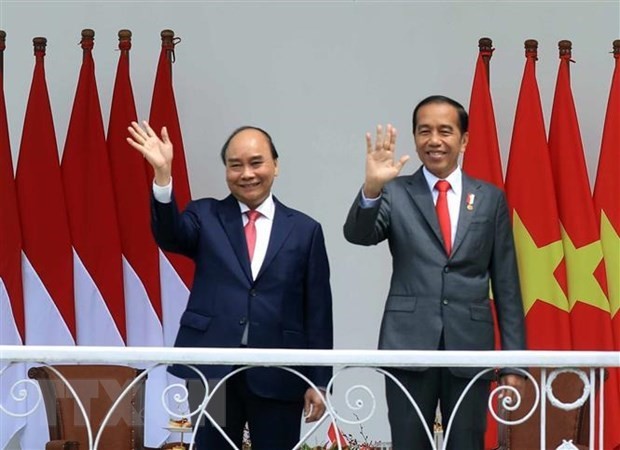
(250, 167)
(438, 138)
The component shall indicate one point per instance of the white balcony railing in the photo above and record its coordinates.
(552, 363)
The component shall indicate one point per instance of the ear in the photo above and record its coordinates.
(464, 141)
(277, 168)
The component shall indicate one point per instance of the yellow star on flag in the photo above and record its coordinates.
(611, 250)
(536, 269)
(580, 266)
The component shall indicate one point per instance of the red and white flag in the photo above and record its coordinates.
(336, 438)
(12, 330)
(99, 299)
(47, 262)
(176, 271)
(482, 160)
(140, 253)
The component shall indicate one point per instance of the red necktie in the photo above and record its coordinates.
(250, 231)
(443, 214)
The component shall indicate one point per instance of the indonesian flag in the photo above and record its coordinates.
(140, 253)
(587, 285)
(535, 221)
(99, 300)
(47, 260)
(176, 270)
(11, 293)
(482, 160)
(335, 437)
(607, 198)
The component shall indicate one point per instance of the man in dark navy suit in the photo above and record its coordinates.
(261, 281)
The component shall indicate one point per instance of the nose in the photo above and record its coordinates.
(248, 172)
(434, 139)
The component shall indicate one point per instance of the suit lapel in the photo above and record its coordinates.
(470, 187)
(280, 230)
(230, 217)
(417, 187)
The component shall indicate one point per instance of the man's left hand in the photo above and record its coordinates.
(516, 381)
(314, 405)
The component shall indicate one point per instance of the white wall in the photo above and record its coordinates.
(317, 75)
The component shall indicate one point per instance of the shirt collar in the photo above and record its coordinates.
(267, 208)
(455, 179)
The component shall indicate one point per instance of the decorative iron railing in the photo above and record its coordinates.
(589, 369)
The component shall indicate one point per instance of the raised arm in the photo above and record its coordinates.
(158, 152)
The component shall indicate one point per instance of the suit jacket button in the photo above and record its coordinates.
(242, 321)
(445, 301)
(446, 269)
(253, 292)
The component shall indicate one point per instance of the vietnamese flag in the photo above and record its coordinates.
(535, 221)
(99, 299)
(585, 267)
(607, 196)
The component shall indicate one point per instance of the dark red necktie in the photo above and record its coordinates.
(250, 231)
(443, 214)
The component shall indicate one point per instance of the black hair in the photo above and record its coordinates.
(462, 113)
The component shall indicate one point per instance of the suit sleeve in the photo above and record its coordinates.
(368, 226)
(505, 282)
(173, 231)
(318, 320)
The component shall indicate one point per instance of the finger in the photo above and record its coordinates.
(388, 137)
(307, 408)
(379, 138)
(149, 130)
(393, 139)
(135, 145)
(402, 161)
(137, 137)
(368, 143)
(164, 135)
(140, 129)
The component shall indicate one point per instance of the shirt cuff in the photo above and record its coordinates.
(163, 194)
(368, 202)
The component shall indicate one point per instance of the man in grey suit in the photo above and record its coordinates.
(443, 263)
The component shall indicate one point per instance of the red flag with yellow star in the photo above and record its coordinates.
(607, 196)
(535, 221)
(585, 268)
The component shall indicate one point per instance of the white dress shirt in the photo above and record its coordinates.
(455, 194)
(163, 194)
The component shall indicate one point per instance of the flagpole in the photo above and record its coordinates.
(168, 42)
(485, 47)
(2, 47)
(565, 48)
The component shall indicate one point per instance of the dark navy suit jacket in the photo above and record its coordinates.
(288, 305)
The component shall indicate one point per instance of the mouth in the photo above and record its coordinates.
(435, 154)
(248, 186)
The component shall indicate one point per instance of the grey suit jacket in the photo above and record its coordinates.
(431, 292)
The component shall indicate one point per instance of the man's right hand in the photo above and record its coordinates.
(380, 164)
(158, 152)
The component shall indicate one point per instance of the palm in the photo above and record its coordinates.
(381, 166)
(157, 151)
